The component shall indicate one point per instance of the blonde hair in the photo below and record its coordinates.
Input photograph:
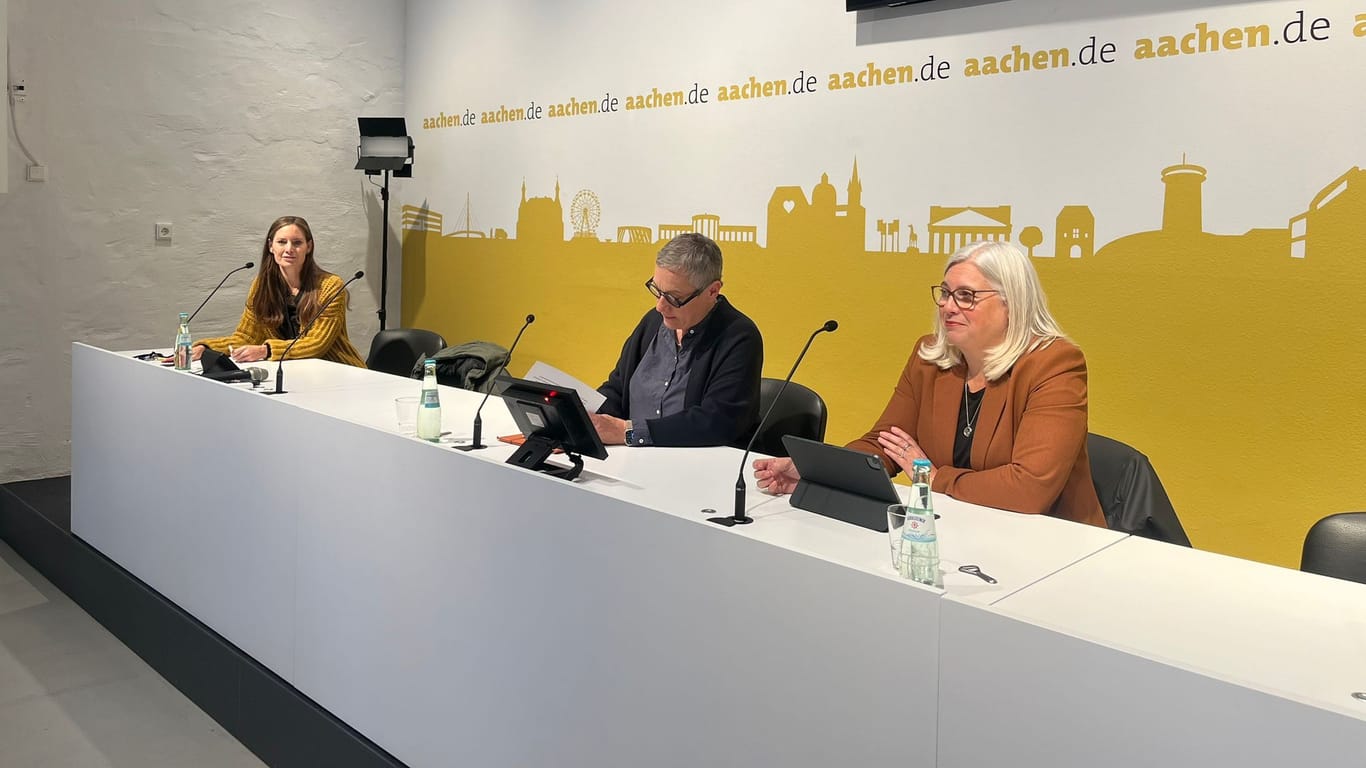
(1029, 325)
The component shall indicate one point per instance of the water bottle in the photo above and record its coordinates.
(919, 544)
(429, 406)
(182, 344)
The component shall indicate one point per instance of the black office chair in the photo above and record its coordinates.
(1336, 546)
(1130, 493)
(801, 412)
(397, 350)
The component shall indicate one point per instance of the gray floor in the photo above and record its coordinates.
(72, 695)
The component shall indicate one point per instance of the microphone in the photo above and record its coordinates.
(280, 369)
(740, 518)
(258, 375)
(248, 265)
(478, 422)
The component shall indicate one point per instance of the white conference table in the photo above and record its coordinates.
(458, 610)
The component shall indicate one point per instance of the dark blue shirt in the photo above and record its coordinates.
(660, 382)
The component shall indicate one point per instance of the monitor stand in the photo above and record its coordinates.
(533, 453)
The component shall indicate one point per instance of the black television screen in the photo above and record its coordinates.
(549, 418)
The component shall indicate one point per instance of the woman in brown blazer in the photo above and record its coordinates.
(995, 398)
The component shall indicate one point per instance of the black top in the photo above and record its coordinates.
(289, 328)
(962, 444)
(721, 404)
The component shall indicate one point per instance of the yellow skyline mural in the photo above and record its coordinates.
(1232, 387)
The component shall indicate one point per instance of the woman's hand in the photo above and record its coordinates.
(901, 448)
(196, 351)
(250, 353)
(775, 476)
(611, 430)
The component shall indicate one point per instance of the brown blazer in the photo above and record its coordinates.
(1029, 448)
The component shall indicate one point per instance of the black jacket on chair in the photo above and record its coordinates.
(721, 406)
(1131, 493)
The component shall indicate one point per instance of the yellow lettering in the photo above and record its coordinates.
(1209, 38)
(1019, 60)
(971, 68)
(849, 81)
(989, 65)
(1188, 43)
(1041, 60)
(1258, 36)
(1360, 29)
(1166, 46)
(1143, 49)
(1233, 39)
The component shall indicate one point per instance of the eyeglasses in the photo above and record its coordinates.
(965, 298)
(674, 301)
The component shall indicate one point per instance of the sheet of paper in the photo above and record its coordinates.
(549, 374)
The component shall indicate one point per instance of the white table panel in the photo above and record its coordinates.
(1208, 659)
(491, 616)
(182, 481)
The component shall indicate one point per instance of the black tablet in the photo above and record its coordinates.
(841, 483)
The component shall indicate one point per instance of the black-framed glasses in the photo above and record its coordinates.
(965, 298)
(673, 300)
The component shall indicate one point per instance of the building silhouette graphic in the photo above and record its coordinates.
(540, 220)
(1335, 219)
(1075, 235)
(1182, 208)
(952, 227)
(821, 224)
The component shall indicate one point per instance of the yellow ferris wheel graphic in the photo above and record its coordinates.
(584, 213)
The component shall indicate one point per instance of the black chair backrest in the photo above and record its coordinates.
(1336, 546)
(1130, 493)
(801, 412)
(397, 350)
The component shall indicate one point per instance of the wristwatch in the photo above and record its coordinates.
(630, 436)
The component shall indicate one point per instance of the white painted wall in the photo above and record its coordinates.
(215, 116)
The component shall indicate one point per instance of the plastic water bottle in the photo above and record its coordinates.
(919, 543)
(429, 406)
(182, 344)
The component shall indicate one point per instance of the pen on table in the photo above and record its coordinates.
(229, 350)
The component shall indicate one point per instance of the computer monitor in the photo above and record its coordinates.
(551, 417)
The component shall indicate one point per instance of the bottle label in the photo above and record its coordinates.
(919, 527)
(430, 399)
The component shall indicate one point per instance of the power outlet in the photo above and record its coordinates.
(37, 173)
(164, 232)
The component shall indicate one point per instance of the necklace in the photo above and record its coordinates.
(970, 417)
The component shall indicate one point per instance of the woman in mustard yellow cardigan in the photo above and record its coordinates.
(284, 298)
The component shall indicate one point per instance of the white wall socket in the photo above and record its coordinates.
(37, 173)
(164, 231)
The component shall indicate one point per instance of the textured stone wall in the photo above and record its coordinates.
(216, 116)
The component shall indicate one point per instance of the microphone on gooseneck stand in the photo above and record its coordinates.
(248, 265)
(740, 518)
(478, 422)
(280, 369)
